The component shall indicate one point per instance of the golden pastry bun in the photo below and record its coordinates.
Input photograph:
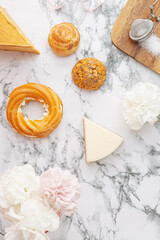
(34, 92)
(64, 39)
(89, 73)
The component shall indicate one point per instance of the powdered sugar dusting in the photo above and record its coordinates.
(152, 44)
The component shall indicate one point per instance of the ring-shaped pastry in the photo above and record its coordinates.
(34, 92)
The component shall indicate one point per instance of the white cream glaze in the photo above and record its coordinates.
(45, 107)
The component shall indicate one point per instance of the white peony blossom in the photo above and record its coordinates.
(35, 218)
(141, 105)
(21, 233)
(34, 214)
(22, 202)
(17, 185)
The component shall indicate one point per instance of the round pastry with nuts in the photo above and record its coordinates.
(89, 73)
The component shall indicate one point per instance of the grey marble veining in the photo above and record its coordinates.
(120, 197)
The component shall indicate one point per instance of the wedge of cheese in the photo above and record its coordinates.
(99, 142)
(11, 36)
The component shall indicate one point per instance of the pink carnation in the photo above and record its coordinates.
(61, 189)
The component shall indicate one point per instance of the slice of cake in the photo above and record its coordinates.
(99, 142)
(11, 36)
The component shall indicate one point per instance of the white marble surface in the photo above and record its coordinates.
(120, 197)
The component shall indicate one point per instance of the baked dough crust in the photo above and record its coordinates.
(12, 38)
(34, 92)
(89, 73)
(64, 39)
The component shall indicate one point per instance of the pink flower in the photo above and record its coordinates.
(61, 189)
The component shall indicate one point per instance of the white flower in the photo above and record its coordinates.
(21, 233)
(35, 218)
(17, 185)
(141, 105)
(34, 214)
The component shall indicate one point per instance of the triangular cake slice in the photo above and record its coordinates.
(11, 36)
(99, 142)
